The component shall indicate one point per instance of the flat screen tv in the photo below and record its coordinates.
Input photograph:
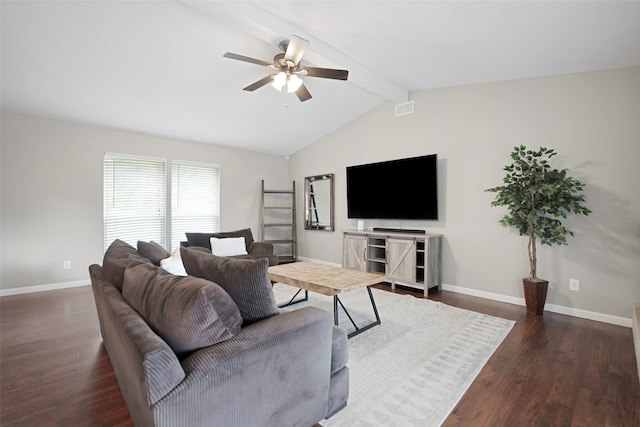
(395, 189)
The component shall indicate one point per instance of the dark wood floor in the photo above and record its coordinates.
(553, 370)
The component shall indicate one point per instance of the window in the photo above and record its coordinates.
(195, 200)
(134, 200)
(137, 205)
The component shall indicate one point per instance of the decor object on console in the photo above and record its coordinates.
(182, 359)
(255, 250)
(537, 198)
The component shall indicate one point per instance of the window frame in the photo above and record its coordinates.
(167, 209)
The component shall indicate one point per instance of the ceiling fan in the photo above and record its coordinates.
(288, 68)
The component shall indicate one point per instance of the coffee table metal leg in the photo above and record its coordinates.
(291, 301)
(373, 304)
(345, 311)
(358, 330)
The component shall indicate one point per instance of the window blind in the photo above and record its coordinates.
(195, 200)
(134, 200)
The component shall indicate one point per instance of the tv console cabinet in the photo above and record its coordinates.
(412, 259)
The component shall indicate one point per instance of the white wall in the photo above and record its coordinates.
(51, 200)
(591, 119)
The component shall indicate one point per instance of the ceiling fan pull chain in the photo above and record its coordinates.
(284, 93)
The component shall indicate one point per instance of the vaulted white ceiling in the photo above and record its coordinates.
(156, 66)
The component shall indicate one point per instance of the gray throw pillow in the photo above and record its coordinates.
(152, 251)
(117, 257)
(187, 312)
(245, 280)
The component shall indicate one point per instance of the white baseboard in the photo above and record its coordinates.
(319, 261)
(636, 333)
(569, 311)
(591, 315)
(483, 294)
(40, 288)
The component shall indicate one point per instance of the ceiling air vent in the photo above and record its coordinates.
(404, 109)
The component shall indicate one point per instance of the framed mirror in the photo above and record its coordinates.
(318, 202)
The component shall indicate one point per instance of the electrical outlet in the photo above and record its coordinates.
(574, 284)
(67, 265)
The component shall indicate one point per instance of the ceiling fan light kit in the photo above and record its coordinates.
(288, 68)
(283, 81)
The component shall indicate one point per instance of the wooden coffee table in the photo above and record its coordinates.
(330, 281)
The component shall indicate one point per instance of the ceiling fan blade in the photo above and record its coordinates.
(257, 85)
(303, 93)
(327, 73)
(295, 50)
(246, 59)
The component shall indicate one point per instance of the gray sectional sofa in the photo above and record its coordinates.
(190, 352)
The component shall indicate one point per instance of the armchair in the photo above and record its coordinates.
(254, 249)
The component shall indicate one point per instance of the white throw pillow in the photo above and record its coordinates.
(173, 264)
(229, 246)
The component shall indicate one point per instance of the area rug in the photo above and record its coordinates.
(413, 368)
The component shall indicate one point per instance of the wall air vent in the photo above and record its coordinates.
(404, 109)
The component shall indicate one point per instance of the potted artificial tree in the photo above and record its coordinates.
(537, 198)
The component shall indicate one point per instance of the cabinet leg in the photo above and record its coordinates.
(393, 285)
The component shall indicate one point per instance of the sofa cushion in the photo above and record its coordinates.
(203, 239)
(187, 312)
(199, 239)
(245, 280)
(152, 251)
(116, 259)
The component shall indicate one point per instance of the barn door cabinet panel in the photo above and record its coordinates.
(354, 252)
(402, 258)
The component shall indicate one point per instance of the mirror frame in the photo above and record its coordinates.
(308, 181)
